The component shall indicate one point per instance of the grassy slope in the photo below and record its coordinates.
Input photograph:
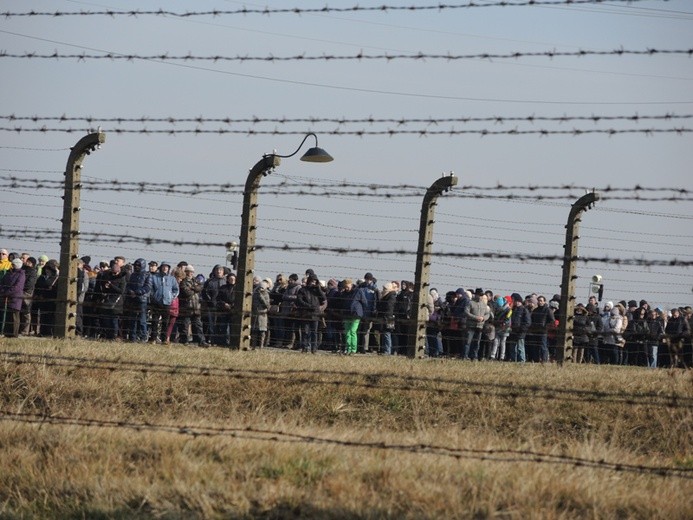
(63, 470)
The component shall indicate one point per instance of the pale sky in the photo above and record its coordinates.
(325, 90)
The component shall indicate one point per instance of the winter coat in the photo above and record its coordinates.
(358, 303)
(371, 295)
(580, 329)
(520, 322)
(211, 289)
(189, 298)
(676, 328)
(289, 298)
(542, 317)
(261, 303)
(386, 306)
(164, 289)
(475, 309)
(139, 284)
(656, 330)
(225, 298)
(12, 288)
(113, 291)
(404, 305)
(310, 301)
(612, 334)
(501, 320)
(594, 328)
(30, 277)
(46, 289)
(457, 311)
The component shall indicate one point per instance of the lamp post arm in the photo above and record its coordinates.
(300, 145)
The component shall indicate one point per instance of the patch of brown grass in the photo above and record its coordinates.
(363, 405)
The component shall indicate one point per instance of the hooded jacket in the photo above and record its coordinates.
(164, 287)
(139, 284)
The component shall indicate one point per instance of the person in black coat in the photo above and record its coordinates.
(30, 278)
(595, 325)
(676, 331)
(45, 296)
(310, 304)
(385, 312)
(520, 320)
(112, 290)
(225, 305)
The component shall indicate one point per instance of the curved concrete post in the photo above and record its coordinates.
(243, 292)
(66, 306)
(564, 339)
(416, 345)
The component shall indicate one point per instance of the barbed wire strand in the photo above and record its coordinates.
(343, 121)
(360, 133)
(383, 8)
(381, 380)
(491, 455)
(420, 56)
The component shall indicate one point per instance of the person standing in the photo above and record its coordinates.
(190, 309)
(386, 317)
(403, 316)
(310, 302)
(225, 306)
(210, 293)
(112, 287)
(612, 335)
(260, 311)
(31, 275)
(520, 321)
(137, 290)
(595, 326)
(501, 321)
(11, 296)
(478, 313)
(676, 330)
(45, 295)
(164, 291)
(355, 305)
(537, 339)
(656, 327)
(291, 334)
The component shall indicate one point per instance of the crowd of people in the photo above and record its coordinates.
(160, 302)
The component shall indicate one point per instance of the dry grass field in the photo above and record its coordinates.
(105, 430)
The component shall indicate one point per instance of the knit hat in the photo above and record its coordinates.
(189, 268)
(43, 258)
(632, 303)
(610, 305)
